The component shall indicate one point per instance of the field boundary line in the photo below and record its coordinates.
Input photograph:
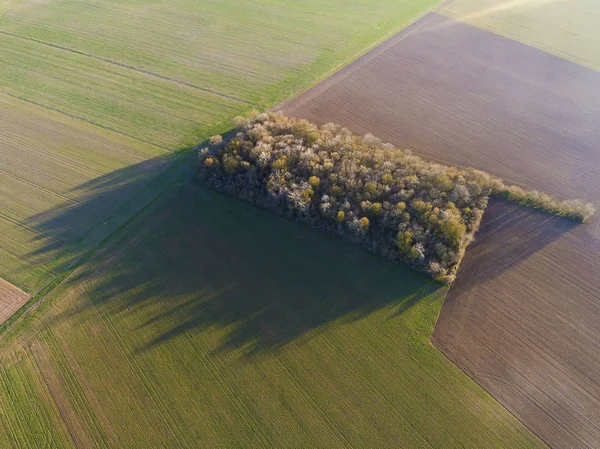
(445, 350)
(129, 67)
(360, 54)
(36, 299)
(23, 225)
(51, 155)
(5, 425)
(26, 259)
(56, 123)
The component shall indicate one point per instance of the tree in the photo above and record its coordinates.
(385, 199)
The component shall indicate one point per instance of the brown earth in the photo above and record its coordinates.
(523, 316)
(522, 320)
(11, 299)
(461, 95)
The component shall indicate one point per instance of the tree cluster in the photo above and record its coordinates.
(576, 210)
(367, 192)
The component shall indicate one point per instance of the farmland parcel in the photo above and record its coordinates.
(567, 29)
(210, 323)
(521, 318)
(195, 321)
(520, 323)
(11, 298)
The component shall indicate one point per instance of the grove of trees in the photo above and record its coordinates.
(369, 193)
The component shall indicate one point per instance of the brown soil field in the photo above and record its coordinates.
(461, 95)
(522, 318)
(11, 299)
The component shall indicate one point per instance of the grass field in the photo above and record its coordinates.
(566, 28)
(121, 82)
(520, 316)
(209, 323)
(51, 164)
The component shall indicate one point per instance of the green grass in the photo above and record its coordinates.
(568, 29)
(210, 323)
(255, 51)
(26, 397)
(88, 87)
(51, 165)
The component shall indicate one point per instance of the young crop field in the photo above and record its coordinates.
(520, 316)
(90, 87)
(210, 323)
(165, 72)
(49, 166)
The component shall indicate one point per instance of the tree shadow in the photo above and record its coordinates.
(97, 208)
(509, 234)
(195, 259)
(198, 259)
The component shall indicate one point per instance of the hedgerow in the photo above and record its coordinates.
(369, 193)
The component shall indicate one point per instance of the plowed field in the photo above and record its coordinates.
(522, 319)
(11, 298)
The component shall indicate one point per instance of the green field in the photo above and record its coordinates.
(164, 72)
(50, 167)
(89, 87)
(209, 323)
(565, 28)
(174, 316)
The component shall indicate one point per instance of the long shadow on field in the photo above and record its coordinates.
(512, 233)
(197, 259)
(200, 260)
(98, 207)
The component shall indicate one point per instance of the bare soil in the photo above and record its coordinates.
(522, 318)
(11, 299)
(461, 95)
